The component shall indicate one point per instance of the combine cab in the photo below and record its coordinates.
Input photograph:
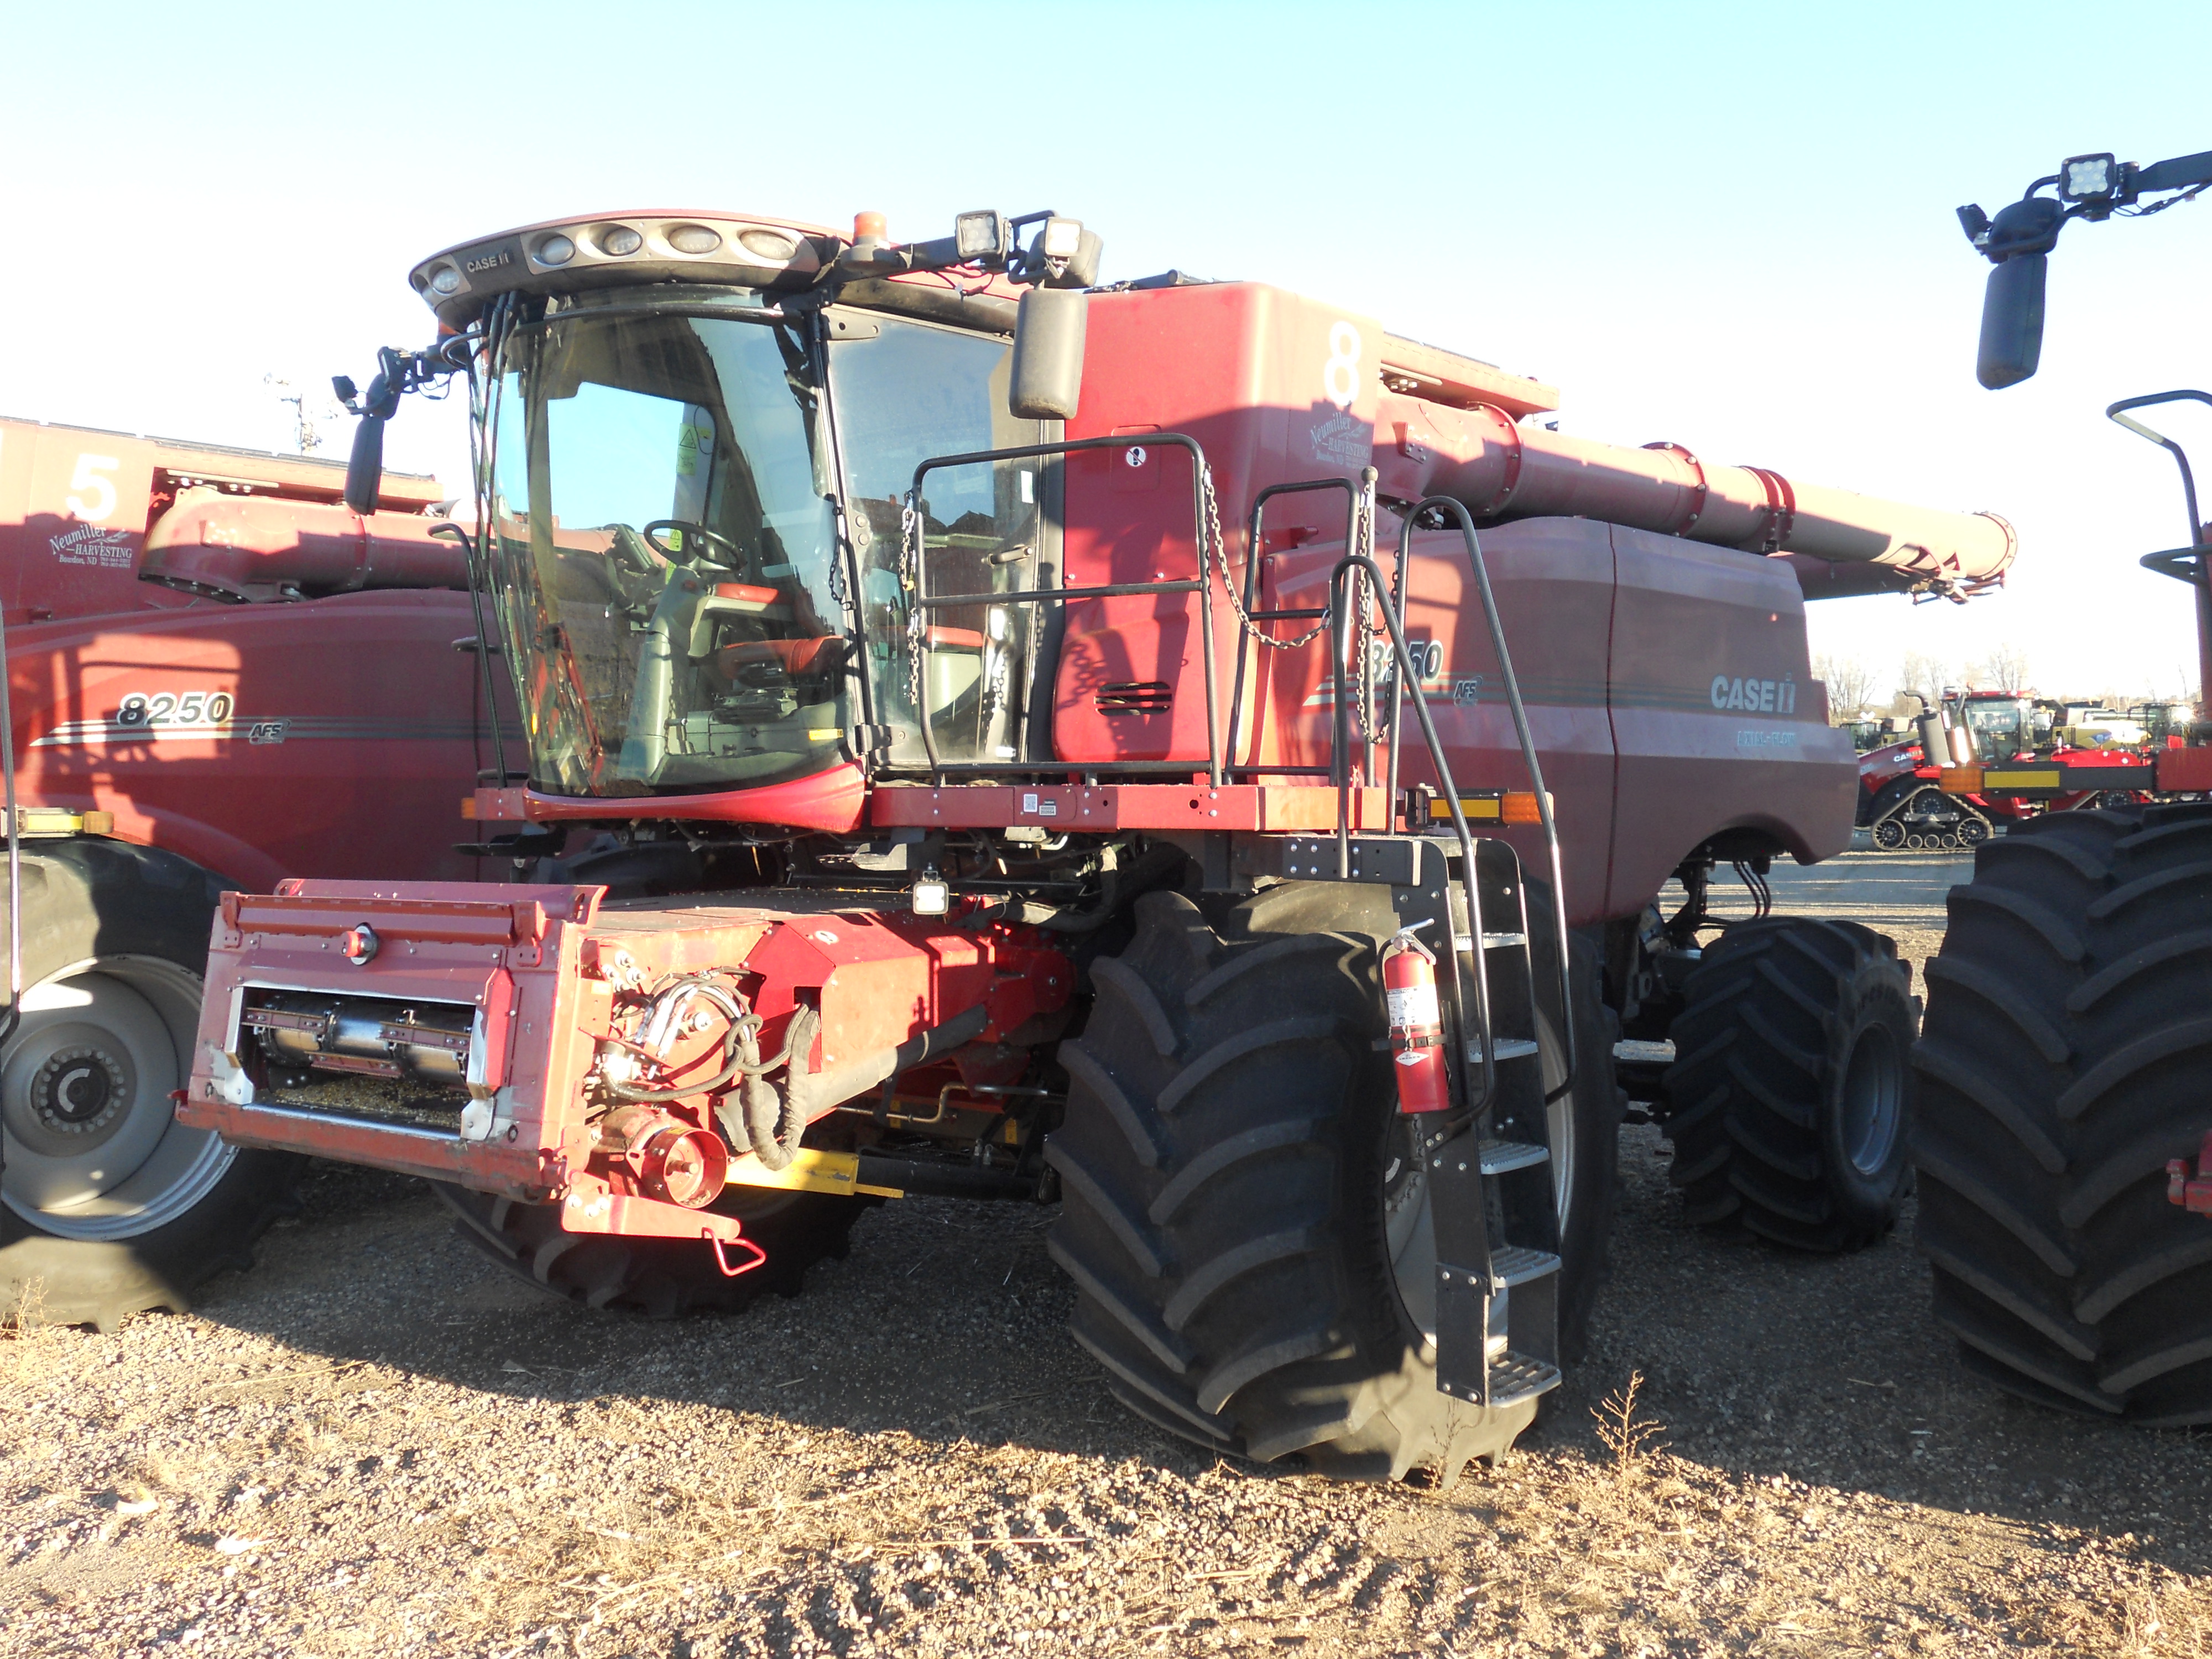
(1174, 748)
(218, 676)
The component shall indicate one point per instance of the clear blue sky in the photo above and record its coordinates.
(1725, 225)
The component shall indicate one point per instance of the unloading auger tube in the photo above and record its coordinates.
(1841, 544)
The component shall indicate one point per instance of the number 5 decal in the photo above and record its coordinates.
(88, 477)
(1340, 375)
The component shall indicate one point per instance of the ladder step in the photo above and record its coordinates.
(1515, 1377)
(1515, 1264)
(1632, 1053)
(1502, 1048)
(1499, 1156)
(1490, 941)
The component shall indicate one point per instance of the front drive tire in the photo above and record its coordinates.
(2066, 1058)
(1789, 1096)
(110, 1205)
(1239, 1214)
(661, 1278)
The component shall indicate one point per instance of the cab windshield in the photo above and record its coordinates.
(664, 538)
(665, 546)
(1993, 717)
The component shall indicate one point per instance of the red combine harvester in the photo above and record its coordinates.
(217, 675)
(2063, 1070)
(967, 713)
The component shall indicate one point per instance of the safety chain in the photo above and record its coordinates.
(1212, 529)
(1363, 626)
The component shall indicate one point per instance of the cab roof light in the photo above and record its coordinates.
(1061, 254)
(982, 236)
(566, 255)
(595, 249)
(1061, 238)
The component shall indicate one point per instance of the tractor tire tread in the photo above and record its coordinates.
(1750, 1090)
(1272, 1326)
(2064, 1274)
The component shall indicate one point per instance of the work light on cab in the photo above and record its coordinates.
(2084, 178)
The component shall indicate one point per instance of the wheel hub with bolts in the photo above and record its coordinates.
(80, 1091)
(94, 1149)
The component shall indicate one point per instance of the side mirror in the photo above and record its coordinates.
(2012, 321)
(1048, 374)
(365, 466)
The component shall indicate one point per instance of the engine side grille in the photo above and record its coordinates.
(1135, 697)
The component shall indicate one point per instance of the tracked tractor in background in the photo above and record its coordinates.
(1983, 758)
(2065, 1068)
(217, 675)
(1903, 805)
(1172, 747)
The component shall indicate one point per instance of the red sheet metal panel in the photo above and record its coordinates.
(547, 968)
(1716, 714)
(333, 736)
(1285, 808)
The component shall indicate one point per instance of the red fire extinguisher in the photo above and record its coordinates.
(1417, 1036)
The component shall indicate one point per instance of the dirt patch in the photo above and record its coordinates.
(376, 1445)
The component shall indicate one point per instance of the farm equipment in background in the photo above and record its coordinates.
(966, 711)
(217, 675)
(2065, 1061)
(2005, 758)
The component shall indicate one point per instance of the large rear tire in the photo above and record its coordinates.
(1241, 1215)
(1788, 1099)
(659, 1277)
(2066, 1058)
(110, 1205)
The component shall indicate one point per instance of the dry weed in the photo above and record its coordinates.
(26, 1334)
(1630, 1439)
(2157, 1623)
(26, 1320)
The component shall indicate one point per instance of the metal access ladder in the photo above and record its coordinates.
(1493, 1207)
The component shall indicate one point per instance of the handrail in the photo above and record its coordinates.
(2116, 413)
(1457, 510)
(1252, 588)
(1335, 621)
(1203, 584)
(1365, 563)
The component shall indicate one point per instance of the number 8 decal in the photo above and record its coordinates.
(1340, 375)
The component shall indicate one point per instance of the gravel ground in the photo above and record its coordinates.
(377, 1444)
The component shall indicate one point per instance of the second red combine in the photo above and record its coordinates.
(997, 735)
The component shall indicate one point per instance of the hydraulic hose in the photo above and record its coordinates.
(740, 1048)
(776, 1119)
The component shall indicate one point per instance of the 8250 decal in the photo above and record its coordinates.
(141, 708)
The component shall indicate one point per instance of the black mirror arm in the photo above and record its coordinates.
(2178, 173)
(398, 373)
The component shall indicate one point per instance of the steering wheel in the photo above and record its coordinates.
(713, 539)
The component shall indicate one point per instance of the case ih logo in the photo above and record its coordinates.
(1760, 696)
(90, 545)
